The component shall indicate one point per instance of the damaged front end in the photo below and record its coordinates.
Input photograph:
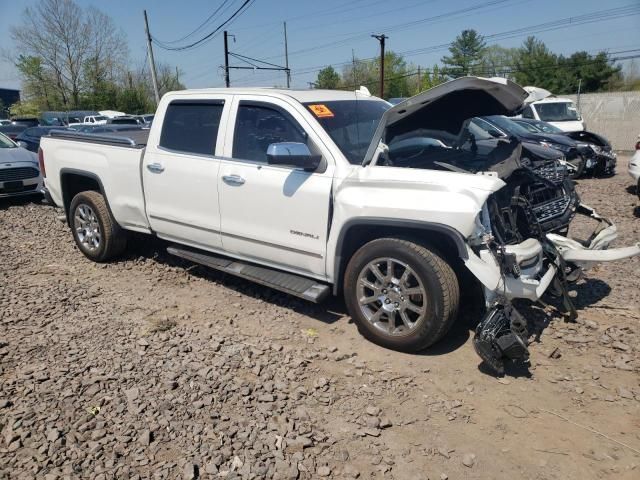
(521, 250)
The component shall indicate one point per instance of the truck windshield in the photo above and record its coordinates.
(350, 124)
(557, 111)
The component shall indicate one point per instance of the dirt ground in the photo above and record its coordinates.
(151, 367)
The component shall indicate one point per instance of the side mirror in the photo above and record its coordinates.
(292, 154)
(22, 144)
(494, 133)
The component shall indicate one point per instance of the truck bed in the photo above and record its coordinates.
(126, 138)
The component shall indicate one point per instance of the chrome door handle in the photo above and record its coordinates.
(233, 180)
(155, 168)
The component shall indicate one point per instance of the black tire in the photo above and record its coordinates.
(112, 241)
(442, 294)
(580, 163)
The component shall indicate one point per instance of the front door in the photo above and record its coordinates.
(273, 214)
(180, 172)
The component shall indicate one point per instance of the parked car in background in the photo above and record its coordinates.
(561, 112)
(576, 155)
(12, 131)
(19, 170)
(5, 121)
(634, 167)
(604, 160)
(30, 138)
(125, 120)
(25, 121)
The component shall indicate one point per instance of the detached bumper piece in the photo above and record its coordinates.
(501, 335)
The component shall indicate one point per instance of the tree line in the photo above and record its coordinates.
(533, 63)
(71, 57)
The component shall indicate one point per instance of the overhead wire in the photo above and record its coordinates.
(198, 28)
(246, 3)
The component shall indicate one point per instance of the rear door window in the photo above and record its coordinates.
(192, 126)
(258, 126)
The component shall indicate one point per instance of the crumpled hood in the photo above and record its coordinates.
(447, 106)
(15, 155)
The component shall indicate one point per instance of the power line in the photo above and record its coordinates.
(199, 27)
(240, 10)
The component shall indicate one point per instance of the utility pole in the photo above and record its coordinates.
(419, 82)
(226, 60)
(353, 63)
(381, 39)
(286, 57)
(177, 75)
(152, 62)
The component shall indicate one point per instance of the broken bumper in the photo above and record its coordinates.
(528, 273)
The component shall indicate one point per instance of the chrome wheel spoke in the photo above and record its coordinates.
(376, 271)
(413, 307)
(87, 227)
(390, 291)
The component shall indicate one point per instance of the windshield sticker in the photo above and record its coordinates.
(321, 111)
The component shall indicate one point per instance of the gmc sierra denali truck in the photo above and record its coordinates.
(317, 191)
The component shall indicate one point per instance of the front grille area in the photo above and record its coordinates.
(552, 171)
(20, 173)
(552, 209)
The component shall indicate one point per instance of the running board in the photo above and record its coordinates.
(285, 282)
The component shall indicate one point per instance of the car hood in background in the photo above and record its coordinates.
(447, 106)
(15, 155)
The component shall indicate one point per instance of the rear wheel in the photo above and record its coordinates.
(95, 231)
(400, 294)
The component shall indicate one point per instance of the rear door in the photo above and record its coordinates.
(180, 171)
(275, 215)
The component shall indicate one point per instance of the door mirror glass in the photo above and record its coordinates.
(494, 133)
(22, 144)
(292, 154)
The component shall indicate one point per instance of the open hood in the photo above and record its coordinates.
(535, 94)
(447, 106)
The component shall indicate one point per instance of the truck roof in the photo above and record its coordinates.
(301, 95)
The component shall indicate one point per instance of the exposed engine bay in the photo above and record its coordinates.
(519, 248)
(525, 226)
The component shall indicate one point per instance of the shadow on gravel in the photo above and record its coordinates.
(632, 189)
(8, 202)
(636, 212)
(152, 248)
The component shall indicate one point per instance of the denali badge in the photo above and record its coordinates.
(302, 234)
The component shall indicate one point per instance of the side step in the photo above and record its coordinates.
(286, 282)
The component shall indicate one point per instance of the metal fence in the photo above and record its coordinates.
(616, 115)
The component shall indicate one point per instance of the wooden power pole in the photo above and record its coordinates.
(286, 57)
(381, 39)
(152, 61)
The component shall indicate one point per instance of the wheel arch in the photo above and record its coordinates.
(74, 181)
(359, 231)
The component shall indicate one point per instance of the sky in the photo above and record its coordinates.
(330, 32)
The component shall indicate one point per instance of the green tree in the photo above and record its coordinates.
(536, 65)
(497, 61)
(465, 53)
(592, 72)
(396, 76)
(328, 78)
(24, 108)
(433, 78)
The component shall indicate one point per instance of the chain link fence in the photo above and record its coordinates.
(615, 115)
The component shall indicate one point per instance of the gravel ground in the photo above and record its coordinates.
(154, 368)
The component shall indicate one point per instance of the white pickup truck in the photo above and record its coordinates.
(313, 191)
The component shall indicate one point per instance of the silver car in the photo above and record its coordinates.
(19, 170)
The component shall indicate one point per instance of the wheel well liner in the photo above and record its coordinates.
(359, 231)
(73, 181)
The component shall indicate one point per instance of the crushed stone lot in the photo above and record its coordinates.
(151, 367)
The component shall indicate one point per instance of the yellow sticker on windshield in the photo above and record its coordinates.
(321, 111)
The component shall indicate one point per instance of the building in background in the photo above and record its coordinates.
(8, 96)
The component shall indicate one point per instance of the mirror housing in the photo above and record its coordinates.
(22, 144)
(292, 154)
(494, 133)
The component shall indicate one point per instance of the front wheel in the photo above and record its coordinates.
(401, 295)
(95, 231)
